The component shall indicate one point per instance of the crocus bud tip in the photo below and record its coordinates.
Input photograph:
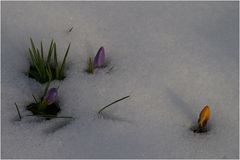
(99, 59)
(204, 116)
(51, 96)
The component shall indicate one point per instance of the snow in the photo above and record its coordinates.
(171, 57)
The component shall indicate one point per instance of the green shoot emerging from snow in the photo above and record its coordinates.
(43, 69)
(90, 68)
(47, 104)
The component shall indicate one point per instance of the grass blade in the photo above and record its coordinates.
(40, 63)
(33, 46)
(50, 52)
(55, 54)
(112, 103)
(39, 71)
(32, 56)
(64, 60)
(49, 73)
(34, 98)
(42, 51)
(46, 88)
(70, 30)
(50, 116)
(20, 117)
(35, 62)
(56, 61)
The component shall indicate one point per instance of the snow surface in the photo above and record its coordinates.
(171, 57)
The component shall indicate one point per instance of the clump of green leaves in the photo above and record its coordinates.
(42, 107)
(46, 107)
(43, 69)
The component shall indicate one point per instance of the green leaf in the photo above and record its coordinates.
(49, 73)
(55, 54)
(42, 50)
(31, 55)
(33, 46)
(56, 61)
(39, 71)
(113, 103)
(39, 59)
(64, 60)
(90, 68)
(40, 64)
(50, 52)
(33, 58)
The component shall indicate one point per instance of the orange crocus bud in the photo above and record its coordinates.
(204, 116)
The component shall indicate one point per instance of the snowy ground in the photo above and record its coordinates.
(172, 57)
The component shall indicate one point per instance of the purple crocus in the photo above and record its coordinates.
(51, 96)
(99, 59)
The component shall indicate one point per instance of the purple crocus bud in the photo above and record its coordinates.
(51, 96)
(99, 59)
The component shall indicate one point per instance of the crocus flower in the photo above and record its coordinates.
(99, 59)
(204, 117)
(51, 96)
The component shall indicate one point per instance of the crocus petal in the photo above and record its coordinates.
(99, 59)
(204, 116)
(51, 96)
